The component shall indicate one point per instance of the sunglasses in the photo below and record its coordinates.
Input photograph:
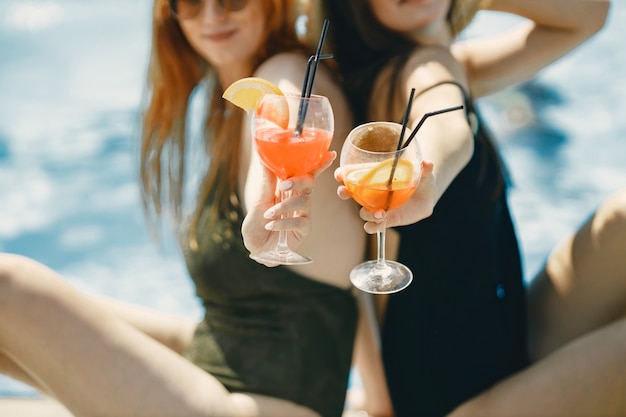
(189, 9)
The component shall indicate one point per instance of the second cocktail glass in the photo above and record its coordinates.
(380, 176)
(290, 145)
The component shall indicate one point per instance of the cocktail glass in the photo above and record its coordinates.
(380, 177)
(291, 146)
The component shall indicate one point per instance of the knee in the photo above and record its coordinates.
(13, 277)
(615, 208)
(609, 224)
(9, 267)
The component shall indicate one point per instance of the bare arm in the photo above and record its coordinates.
(552, 29)
(336, 240)
(446, 140)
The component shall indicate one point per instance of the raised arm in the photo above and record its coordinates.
(446, 139)
(551, 29)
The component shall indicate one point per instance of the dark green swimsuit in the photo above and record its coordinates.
(267, 330)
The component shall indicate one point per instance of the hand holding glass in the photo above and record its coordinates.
(380, 177)
(290, 146)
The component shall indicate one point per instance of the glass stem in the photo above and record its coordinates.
(380, 236)
(282, 246)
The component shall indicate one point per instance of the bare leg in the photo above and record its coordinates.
(9, 368)
(583, 285)
(577, 322)
(99, 365)
(585, 378)
(173, 332)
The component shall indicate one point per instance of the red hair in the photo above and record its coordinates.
(175, 69)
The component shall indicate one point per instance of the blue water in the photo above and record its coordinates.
(71, 77)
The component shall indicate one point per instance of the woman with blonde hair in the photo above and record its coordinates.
(273, 341)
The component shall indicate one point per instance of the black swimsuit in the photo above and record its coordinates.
(266, 330)
(460, 326)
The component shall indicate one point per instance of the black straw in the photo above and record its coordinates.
(306, 86)
(405, 120)
(316, 60)
(426, 116)
(309, 77)
(411, 136)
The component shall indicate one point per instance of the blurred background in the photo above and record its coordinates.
(71, 80)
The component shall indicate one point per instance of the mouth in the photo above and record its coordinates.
(220, 36)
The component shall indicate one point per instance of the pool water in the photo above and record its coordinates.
(71, 77)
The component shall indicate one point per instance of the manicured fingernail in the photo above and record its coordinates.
(269, 226)
(285, 185)
(379, 215)
(269, 214)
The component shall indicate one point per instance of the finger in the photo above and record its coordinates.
(372, 228)
(377, 216)
(329, 157)
(298, 203)
(298, 225)
(427, 168)
(301, 185)
(339, 175)
(343, 192)
(374, 220)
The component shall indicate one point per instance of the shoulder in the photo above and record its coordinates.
(286, 70)
(422, 68)
(430, 65)
(282, 61)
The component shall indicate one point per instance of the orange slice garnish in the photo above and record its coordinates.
(247, 92)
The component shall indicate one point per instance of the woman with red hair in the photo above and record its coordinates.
(273, 341)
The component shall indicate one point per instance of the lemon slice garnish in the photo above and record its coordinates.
(378, 176)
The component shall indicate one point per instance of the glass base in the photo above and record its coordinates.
(281, 258)
(386, 277)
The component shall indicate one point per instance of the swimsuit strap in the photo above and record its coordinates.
(470, 113)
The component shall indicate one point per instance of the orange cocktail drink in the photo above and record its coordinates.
(288, 154)
(292, 135)
(370, 185)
